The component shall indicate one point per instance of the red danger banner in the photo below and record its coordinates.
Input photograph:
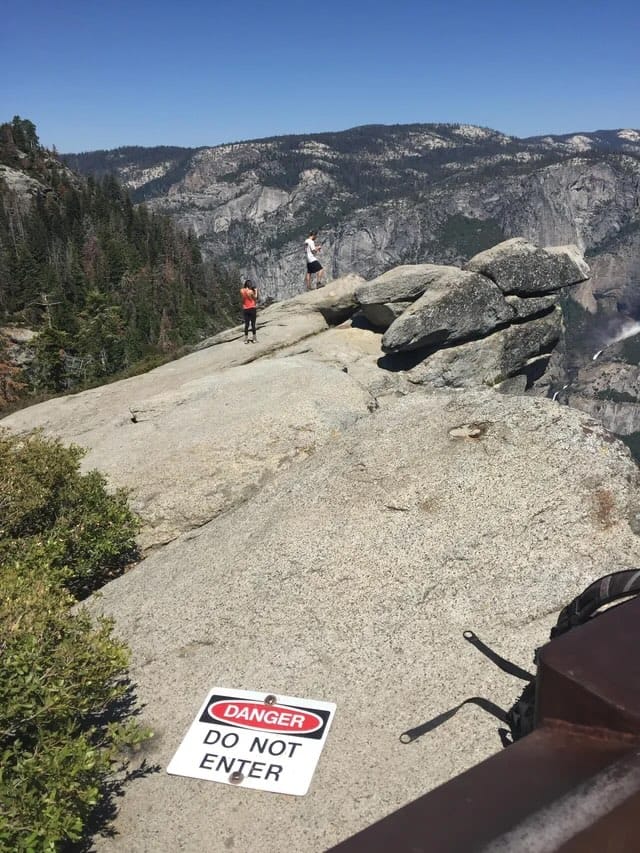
(255, 739)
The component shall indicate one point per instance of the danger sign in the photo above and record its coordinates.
(255, 740)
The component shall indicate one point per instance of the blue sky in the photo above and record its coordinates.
(103, 74)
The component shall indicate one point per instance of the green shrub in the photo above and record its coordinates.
(64, 696)
(59, 521)
(469, 236)
(615, 396)
(58, 677)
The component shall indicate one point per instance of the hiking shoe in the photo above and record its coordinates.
(246, 340)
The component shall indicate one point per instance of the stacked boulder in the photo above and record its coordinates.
(483, 324)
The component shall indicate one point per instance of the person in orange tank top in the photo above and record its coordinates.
(249, 297)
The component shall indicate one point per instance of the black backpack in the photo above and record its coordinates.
(519, 719)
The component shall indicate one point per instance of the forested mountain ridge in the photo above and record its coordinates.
(387, 195)
(103, 282)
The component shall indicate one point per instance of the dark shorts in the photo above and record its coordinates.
(314, 266)
(249, 319)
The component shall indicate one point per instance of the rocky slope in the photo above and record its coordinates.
(336, 525)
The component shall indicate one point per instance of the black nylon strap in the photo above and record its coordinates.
(412, 734)
(504, 664)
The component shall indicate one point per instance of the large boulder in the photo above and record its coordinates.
(400, 284)
(519, 267)
(526, 307)
(350, 578)
(490, 360)
(455, 306)
(336, 300)
(382, 314)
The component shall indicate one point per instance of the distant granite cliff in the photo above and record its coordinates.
(388, 195)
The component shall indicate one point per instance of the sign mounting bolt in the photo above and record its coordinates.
(270, 699)
(236, 777)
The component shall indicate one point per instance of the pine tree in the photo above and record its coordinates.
(106, 283)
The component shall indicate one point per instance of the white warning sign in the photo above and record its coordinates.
(256, 740)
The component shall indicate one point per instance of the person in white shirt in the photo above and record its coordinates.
(314, 267)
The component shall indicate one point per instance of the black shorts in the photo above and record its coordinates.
(314, 266)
